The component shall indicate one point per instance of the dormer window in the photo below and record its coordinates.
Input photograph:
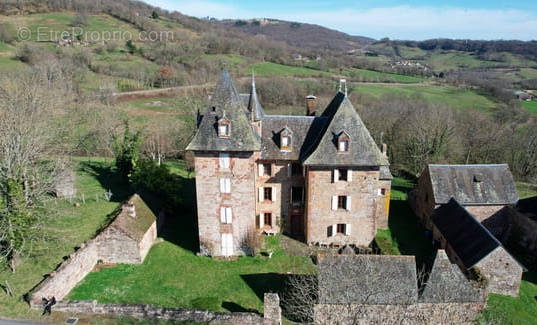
(224, 127)
(343, 142)
(286, 140)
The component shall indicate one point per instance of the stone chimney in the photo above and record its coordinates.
(311, 104)
(130, 209)
(385, 150)
(343, 86)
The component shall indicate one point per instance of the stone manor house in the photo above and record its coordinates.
(320, 178)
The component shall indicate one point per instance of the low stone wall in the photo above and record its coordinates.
(151, 312)
(60, 282)
(413, 314)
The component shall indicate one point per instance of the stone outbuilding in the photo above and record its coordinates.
(381, 289)
(127, 239)
(64, 185)
(481, 189)
(516, 228)
(130, 235)
(475, 250)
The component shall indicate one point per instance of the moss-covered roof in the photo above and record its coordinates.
(135, 227)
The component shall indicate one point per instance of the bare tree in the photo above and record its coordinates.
(31, 105)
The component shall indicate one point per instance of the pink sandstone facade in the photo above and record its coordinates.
(272, 173)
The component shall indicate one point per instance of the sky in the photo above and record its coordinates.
(409, 20)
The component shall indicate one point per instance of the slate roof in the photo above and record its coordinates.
(342, 117)
(447, 283)
(305, 130)
(225, 99)
(312, 136)
(254, 106)
(473, 184)
(528, 207)
(385, 173)
(135, 228)
(367, 279)
(470, 240)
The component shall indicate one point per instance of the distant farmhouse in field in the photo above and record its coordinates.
(319, 177)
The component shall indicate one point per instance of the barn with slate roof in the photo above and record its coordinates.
(481, 189)
(321, 179)
(471, 246)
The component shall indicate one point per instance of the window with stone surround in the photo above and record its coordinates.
(267, 193)
(224, 161)
(226, 214)
(267, 218)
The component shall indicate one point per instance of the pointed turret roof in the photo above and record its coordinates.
(225, 100)
(254, 106)
(363, 151)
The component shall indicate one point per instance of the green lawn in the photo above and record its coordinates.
(509, 310)
(445, 95)
(530, 106)
(172, 275)
(375, 76)
(67, 227)
(405, 235)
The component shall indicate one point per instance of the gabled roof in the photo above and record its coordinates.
(528, 207)
(367, 279)
(363, 150)
(134, 228)
(225, 98)
(473, 184)
(470, 240)
(305, 129)
(447, 283)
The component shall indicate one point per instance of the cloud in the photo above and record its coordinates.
(398, 22)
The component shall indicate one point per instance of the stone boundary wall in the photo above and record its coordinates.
(413, 314)
(60, 282)
(177, 314)
(70, 272)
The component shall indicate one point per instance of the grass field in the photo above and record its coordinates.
(69, 227)
(49, 26)
(375, 76)
(531, 106)
(269, 69)
(445, 95)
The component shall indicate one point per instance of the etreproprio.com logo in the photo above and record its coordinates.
(46, 34)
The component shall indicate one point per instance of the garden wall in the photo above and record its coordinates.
(151, 312)
(271, 303)
(419, 313)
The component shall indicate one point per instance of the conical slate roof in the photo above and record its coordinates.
(227, 102)
(254, 106)
(363, 150)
